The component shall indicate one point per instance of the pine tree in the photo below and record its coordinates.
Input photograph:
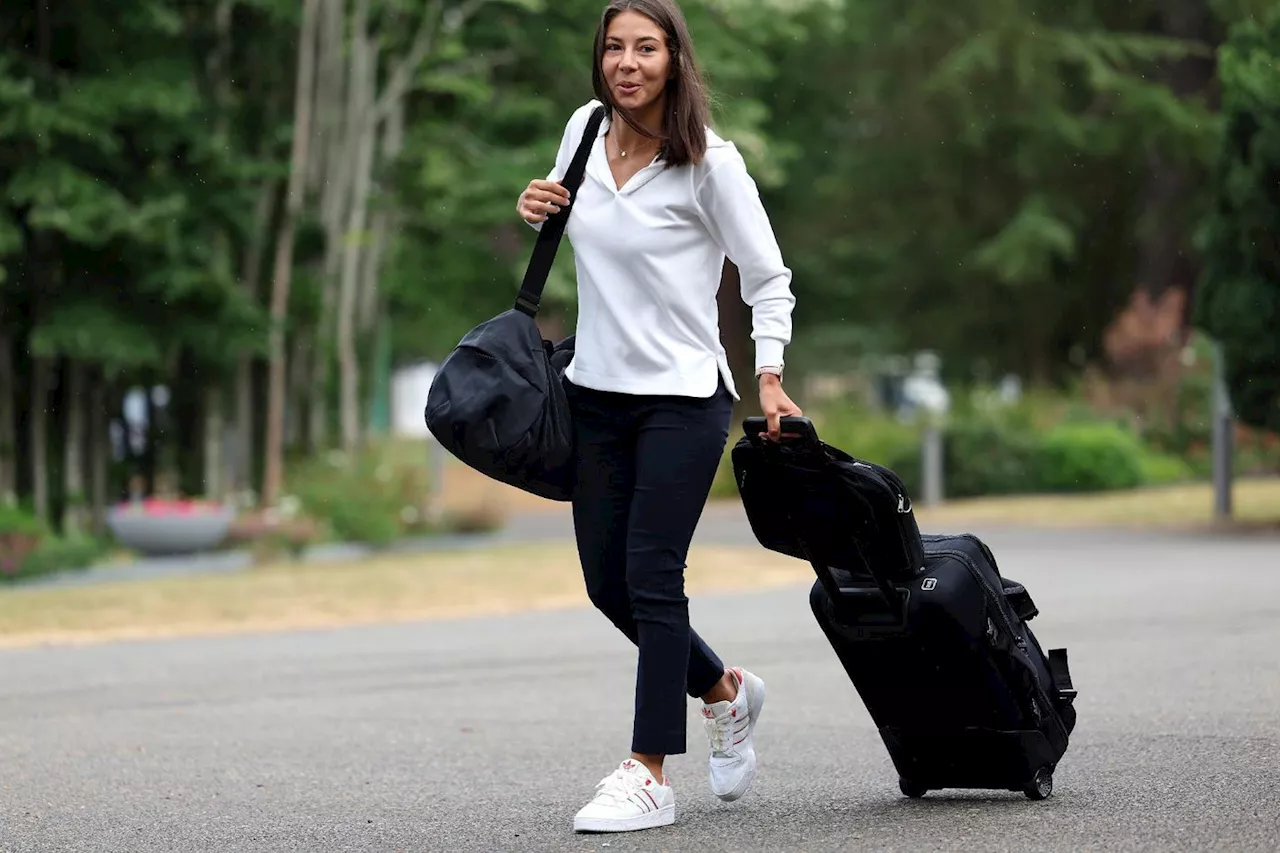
(1239, 296)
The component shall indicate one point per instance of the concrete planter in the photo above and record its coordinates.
(170, 527)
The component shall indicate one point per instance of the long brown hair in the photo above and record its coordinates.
(684, 127)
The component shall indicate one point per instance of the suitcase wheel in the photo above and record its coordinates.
(1041, 785)
(911, 789)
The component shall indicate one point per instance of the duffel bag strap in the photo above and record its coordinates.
(544, 251)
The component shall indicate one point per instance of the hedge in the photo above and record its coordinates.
(985, 455)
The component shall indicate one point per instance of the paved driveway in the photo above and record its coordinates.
(486, 735)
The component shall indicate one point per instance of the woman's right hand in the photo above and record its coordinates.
(541, 199)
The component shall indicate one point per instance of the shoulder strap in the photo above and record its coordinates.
(544, 251)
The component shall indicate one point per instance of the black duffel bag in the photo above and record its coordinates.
(498, 402)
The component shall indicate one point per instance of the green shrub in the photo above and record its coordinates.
(29, 548)
(20, 535)
(875, 437)
(990, 459)
(372, 522)
(369, 496)
(376, 495)
(1256, 452)
(57, 554)
(273, 535)
(1162, 469)
(19, 521)
(1083, 457)
(1040, 444)
(989, 448)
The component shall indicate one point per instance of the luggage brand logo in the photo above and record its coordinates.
(929, 583)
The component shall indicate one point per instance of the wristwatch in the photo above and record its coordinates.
(775, 371)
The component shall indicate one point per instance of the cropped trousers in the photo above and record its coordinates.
(645, 465)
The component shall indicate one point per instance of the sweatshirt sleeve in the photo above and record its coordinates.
(736, 218)
(568, 145)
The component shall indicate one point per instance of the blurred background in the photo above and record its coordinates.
(1035, 243)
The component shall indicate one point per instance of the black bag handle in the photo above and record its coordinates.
(1020, 600)
(544, 251)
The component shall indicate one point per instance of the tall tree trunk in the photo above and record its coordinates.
(38, 425)
(99, 451)
(8, 429)
(367, 108)
(347, 185)
(317, 391)
(152, 437)
(364, 83)
(242, 459)
(251, 277)
(384, 224)
(1164, 261)
(215, 427)
(273, 462)
(335, 100)
(297, 393)
(73, 450)
(319, 361)
(330, 86)
(214, 433)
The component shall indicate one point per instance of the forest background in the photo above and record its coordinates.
(258, 210)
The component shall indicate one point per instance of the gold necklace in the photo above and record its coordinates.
(618, 148)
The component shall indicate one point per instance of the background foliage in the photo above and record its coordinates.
(1058, 191)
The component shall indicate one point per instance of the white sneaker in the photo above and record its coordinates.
(628, 799)
(730, 726)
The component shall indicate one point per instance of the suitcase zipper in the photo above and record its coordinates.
(1020, 642)
(978, 576)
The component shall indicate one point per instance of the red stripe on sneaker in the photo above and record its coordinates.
(651, 799)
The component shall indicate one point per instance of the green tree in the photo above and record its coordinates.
(1239, 297)
(972, 183)
(470, 149)
(131, 144)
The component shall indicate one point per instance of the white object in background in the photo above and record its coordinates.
(923, 388)
(923, 392)
(409, 389)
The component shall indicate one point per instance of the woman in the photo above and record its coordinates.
(664, 200)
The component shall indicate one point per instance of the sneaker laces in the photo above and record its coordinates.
(719, 730)
(618, 786)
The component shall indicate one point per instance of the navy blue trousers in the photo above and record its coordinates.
(645, 465)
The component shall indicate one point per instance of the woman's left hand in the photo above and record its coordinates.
(775, 405)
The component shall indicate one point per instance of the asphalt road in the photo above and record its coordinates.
(487, 735)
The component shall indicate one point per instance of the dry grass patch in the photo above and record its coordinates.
(1256, 504)
(385, 589)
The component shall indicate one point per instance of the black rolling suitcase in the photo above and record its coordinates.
(934, 640)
